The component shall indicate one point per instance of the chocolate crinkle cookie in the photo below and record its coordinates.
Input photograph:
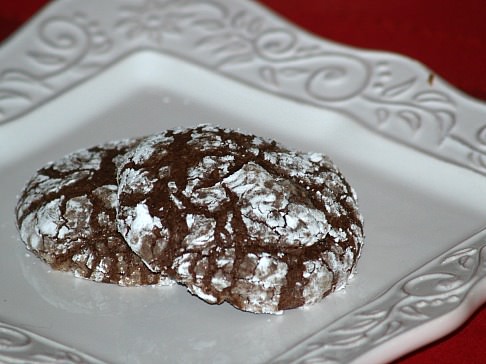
(66, 216)
(234, 217)
(239, 218)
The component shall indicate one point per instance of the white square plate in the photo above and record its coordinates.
(83, 73)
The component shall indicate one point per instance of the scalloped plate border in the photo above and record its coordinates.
(22, 346)
(429, 293)
(70, 42)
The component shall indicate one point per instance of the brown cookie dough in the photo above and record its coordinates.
(66, 216)
(238, 218)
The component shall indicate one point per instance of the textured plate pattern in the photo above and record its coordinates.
(434, 290)
(395, 96)
(22, 346)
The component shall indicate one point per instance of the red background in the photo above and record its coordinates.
(447, 36)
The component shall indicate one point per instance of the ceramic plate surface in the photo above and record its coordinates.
(414, 148)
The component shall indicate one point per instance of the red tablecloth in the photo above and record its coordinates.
(448, 36)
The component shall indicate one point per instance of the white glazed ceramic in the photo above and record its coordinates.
(84, 72)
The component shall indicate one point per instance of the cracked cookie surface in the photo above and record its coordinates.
(66, 216)
(239, 218)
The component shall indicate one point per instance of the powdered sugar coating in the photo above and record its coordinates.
(66, 216)
(265, 206)
(238, 218)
